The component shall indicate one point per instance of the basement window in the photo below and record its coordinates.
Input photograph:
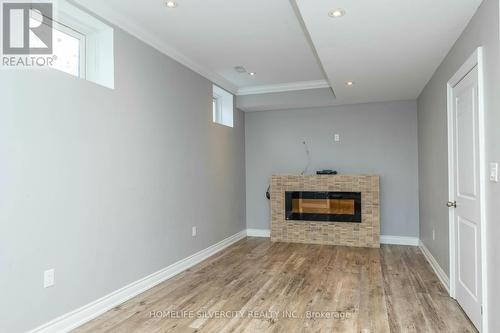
(69, 50)
(222, 106)
(82, 44)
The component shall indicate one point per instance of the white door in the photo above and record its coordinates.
(467, 196)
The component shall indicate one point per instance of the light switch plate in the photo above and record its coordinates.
(494, 172)
(48, 278)
(194, 231)
(336, 137)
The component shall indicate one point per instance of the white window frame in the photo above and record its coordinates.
(96, 63)
(70, 31)
(222, 107)
(82, 70)
(217, 109)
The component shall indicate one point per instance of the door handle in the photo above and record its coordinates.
(451, 204)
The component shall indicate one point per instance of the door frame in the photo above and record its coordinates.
(476, 59)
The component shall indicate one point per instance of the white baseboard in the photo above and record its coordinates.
(399, 240)
(258, 233)
(435, 266)
(80, 316)
(394, 240)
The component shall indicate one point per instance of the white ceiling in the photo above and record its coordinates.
(390, 48)
(263, 36)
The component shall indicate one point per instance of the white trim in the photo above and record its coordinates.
(393, 240)
(399, 240)
(476, 59)
(78, 317)
(135, 30)
(283, 87)
(224, 108)
(435, 266)
(451, 185)
(82, 43)
(258, 233)
(66, 26)
(111, 15)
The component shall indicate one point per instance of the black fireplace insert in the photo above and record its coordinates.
(323, 206)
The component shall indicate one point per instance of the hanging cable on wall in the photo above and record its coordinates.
(308, 154)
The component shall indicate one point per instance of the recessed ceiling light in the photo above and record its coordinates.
(171, 4)
(339, 12)
(349, 83)
(252, 73)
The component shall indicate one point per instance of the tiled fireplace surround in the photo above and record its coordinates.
(364, 234)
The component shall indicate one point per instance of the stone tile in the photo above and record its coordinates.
(364, 234)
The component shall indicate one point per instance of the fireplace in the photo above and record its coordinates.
(323, 206)
(361, 229)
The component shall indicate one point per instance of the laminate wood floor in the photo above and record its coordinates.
(259, 286)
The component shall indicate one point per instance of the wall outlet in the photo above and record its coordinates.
(433, 234)
(336, 137)
(193, 232)
(494, 172)
(48, 278)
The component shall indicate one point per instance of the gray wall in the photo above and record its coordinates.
(104, 185)
(483, 30)
(376, 138)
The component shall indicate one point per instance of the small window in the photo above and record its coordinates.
(82, 44)
(68, 46)
(69, 49)
(222, 106)
(216, 110)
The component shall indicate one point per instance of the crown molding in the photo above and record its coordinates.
(120, 21)
(283, 87)
(128, 26)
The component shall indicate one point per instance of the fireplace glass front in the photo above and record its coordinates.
(323, 206)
